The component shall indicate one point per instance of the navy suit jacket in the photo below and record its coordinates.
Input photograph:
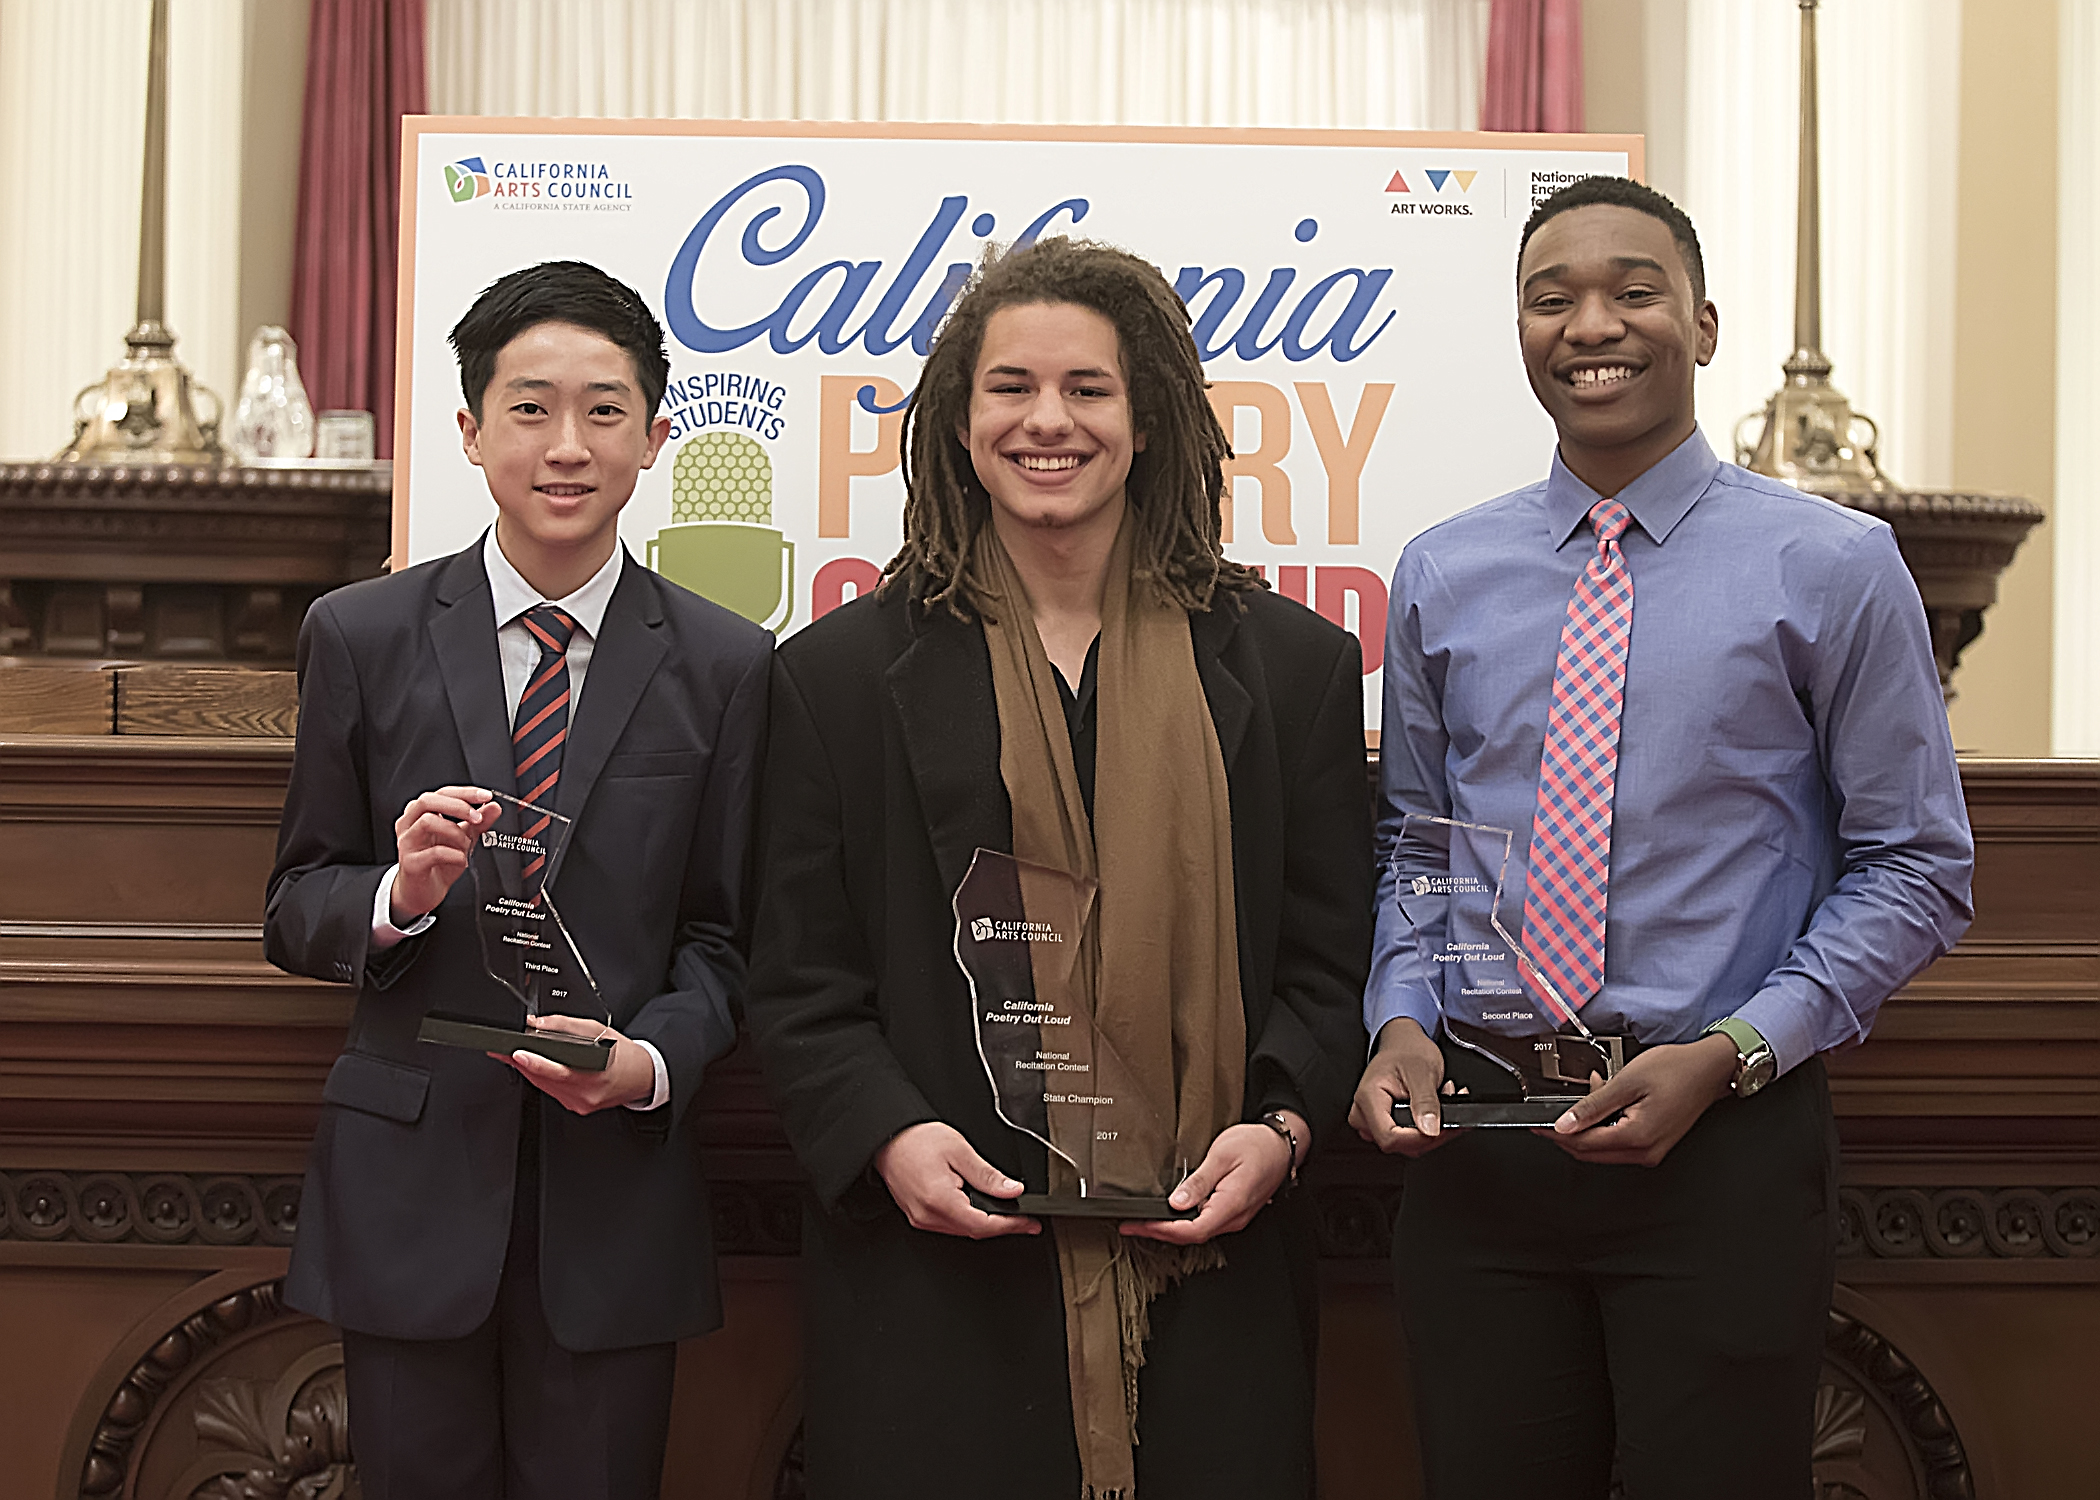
(407, 1206)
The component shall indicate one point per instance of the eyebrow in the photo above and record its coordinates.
(1087, 373)
(536, 383)
(1619, 262)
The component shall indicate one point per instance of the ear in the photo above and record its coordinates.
(1709, 331)
(659, 434)
(470, 436)
(1137, 442)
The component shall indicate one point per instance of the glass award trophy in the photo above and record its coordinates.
(1023, 936)
(524, 944)
(1516, 1050)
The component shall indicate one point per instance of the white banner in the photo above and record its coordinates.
(1353, 296)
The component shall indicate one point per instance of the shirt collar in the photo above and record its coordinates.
(513, 595)
(1659, 499)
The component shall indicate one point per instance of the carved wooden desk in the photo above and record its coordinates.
(158, 1082)
(174, 563)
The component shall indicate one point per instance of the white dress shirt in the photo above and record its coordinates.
(519, 651)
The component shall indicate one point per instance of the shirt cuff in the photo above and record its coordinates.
(661, 1094)
(1391, 1003)
(1780, 1020)
(384, 933)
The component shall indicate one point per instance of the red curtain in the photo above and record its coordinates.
(1534, 66)
(364, 71)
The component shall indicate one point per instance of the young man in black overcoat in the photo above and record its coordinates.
(1062, 666)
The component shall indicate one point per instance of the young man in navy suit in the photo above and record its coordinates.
(513, 1248)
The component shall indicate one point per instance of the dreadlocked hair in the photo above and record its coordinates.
(1175, 485)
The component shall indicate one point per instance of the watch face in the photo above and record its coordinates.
(1762, 1068)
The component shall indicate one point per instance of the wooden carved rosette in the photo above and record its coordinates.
(241, 1400)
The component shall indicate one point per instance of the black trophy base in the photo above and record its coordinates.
(1046, 1206)
(584, 1054)
(1490, 1114)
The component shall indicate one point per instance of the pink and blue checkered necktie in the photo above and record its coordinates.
(542, 724)
(1571, 829)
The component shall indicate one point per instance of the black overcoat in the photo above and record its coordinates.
(935, 1365)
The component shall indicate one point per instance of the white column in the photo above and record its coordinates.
(72, 142)
(206, 48)
(1665, 51)
(72, 112)
(1401, 64)
(2075, 715)
(1888, 84)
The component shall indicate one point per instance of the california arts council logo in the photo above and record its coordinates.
(467, 179)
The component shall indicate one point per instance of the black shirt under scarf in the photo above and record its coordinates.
(1079, 721)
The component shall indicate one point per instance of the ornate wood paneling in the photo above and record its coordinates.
(1913, 1226)
(179, 563)
(159, 1081)
(1993, 1054)
(148, 1208)
(240, 1399)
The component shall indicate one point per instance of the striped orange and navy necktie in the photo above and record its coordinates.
(542, 724)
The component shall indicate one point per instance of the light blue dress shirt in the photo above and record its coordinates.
(1789, 841)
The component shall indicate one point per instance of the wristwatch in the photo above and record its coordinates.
(1275, 1121)
(1755, 1064)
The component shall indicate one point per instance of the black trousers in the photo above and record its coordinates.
(506, 1413)
(1567, 1321)
(935, 1367)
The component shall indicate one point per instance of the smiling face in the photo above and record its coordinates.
(1611, 335)
(1050, 432)
(563, 434)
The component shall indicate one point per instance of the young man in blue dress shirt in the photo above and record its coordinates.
(1769, 834)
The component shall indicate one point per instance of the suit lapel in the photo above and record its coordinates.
(629, 648)
(942, 689)
(1231, 705)
(463, 633)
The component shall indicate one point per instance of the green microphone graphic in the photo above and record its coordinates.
(722, 543)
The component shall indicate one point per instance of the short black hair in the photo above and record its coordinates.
(558, 291)
(1623, 192)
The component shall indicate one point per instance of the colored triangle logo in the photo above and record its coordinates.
(1465, 180)
(1436, 179)
(1397, 185)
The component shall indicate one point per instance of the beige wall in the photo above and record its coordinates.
(273, 93)
(2005, 353)
(1615, 66)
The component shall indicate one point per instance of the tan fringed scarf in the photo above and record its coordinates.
(1163, 969)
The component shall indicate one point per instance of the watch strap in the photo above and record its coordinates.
(1275, 1121)
(1747, 1038)
(1751, 1048)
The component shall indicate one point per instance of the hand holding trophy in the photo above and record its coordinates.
(1516, 1052)
(432, 839)
(524, 944)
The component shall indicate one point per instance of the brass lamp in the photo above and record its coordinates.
(1955, 543)
(144, 411)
